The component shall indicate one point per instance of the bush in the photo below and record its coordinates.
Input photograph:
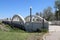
(44, 30)
(0, 22)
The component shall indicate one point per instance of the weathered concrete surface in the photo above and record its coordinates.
(54, 28)
(54, 33)
(35, 26)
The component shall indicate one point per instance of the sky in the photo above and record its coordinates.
(8, 8)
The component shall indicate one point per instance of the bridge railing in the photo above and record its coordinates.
(54, 22)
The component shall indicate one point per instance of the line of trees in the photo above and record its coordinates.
(48, 13)
(57, 9)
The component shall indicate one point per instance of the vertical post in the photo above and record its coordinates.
(31, 24)
(43, 22)
(30, 14)
(58, 13)
(58, 16)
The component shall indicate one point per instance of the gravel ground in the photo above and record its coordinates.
(54, 33)
(35, 36)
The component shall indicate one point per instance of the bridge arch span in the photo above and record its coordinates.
(18, 18)
(35, 18)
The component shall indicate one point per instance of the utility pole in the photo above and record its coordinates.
(30, 14)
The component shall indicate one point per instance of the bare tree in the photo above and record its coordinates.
(48, 14)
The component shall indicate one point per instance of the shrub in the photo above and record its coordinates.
(44, 30)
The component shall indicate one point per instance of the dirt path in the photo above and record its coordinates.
(35, 36)
(54, 33)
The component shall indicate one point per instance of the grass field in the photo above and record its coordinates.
(13, 35)
(20, 36)
(7, 33)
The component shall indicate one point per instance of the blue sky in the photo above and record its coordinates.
(10, 7)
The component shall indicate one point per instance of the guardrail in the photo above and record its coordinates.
(54, 22)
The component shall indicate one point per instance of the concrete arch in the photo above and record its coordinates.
(18, 18)
(34, 17)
